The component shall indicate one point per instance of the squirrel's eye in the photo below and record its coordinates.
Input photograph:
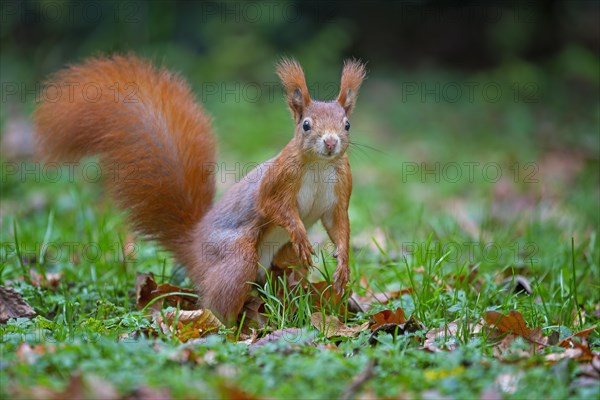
(306, 125)
(347, 126)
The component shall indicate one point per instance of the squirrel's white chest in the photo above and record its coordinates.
(316, 195)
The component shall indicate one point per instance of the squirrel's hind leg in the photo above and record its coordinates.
(226, 284)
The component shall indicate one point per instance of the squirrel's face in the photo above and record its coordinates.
(321, 127)
(323, 130)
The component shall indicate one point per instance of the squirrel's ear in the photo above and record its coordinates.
(352, 76)
(292, 77)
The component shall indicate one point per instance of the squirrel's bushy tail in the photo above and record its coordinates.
(154, 141)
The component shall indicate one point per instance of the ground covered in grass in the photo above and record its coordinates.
(463, 212)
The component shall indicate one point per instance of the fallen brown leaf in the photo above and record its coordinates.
(513, 326)
(513, 323)
(49, 280)
(184, 302)
(509, 328)
(230, 391)
(290, 340)
(393, 323)
(517, 284)
(596, 362)
(98, 388)
(388, 317)
(412, 325)
(331, 326)
(289, 335)
(323, 296)
(144, 285)
(577, 346)
(573, 353)
(186, 355)
(29, 355)
(147, 290)
(446, 335)
(584, 334)
(591, 369)
(254, 310)
(147, 393)
(186, 324)
(12, 305)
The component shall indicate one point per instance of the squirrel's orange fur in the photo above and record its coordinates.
(147, 120)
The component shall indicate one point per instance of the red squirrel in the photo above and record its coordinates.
(147, 117)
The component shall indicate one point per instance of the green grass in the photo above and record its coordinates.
(408, 231)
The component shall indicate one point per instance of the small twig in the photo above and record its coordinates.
(358, 381)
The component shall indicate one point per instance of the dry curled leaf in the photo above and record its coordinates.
(577, 347)
(514, 324)
(510, 328)
(330, 326)
(228, 390)
(12, 305)
(596, 362)
(412, 325)
(443, 338)
(144, 285)
(49, 280)
(148, 393)
(323, 294)
(518, 284)
(388, 317)
(393, 323)
(583, 335)
(591, 369)
(29, 355)
(572, 353)
(290, 340)
(254, 310)
(289, 335)
(187, 301)
(147, 290)
(186, 324)
(186, 355)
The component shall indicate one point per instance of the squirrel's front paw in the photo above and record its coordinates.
(340, 278)
(305, 252)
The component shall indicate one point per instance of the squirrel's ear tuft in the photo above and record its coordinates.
(291, 75)
(352, 76)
